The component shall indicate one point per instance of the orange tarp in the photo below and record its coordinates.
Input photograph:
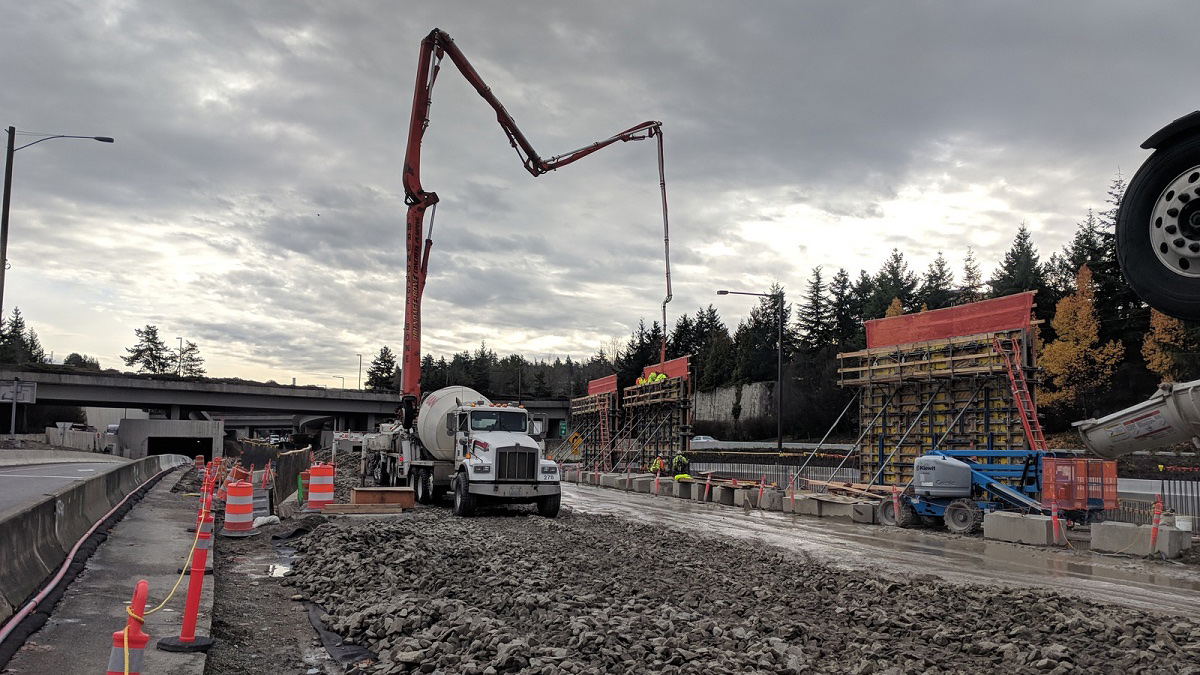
(1012, 312)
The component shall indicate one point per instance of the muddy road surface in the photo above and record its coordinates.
(510, 592)
(1149, 585)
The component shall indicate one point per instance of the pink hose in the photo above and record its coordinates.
(28, 608)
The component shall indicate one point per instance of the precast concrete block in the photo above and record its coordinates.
(772, 500)
(1113, 537)
(863, 513)
(788, 503)
(683, 489)
(666, 487)
(807, 506)
(723, 494)
(743, 495)
(612, 480)
(839, 510)
(1018, 528)
(643, 484)
(702, 492)
(570, 475)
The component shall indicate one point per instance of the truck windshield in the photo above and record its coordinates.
(498, 420)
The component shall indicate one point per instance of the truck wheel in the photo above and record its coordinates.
(1158, 230)
(963, 517)
(423, 484)
(548, 506)
(887, 516)
(464, 501)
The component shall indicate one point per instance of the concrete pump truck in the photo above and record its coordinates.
(456, 439)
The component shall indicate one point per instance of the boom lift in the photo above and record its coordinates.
(455, 438)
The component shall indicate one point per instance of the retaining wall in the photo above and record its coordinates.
(35, 540)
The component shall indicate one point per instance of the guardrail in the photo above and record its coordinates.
(35, 540)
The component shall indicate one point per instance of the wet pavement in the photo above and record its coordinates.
(1148, 585)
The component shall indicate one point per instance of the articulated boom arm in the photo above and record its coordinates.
(434, 47)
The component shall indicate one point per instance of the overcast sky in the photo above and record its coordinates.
(252, 201)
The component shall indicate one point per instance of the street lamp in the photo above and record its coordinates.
(779, 371)
(359, 370)
(180, 356)
(340, 378)
(8, 167)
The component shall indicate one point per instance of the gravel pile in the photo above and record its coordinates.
(346, 475)
(514, 593)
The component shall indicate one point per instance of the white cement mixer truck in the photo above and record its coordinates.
(481, 451)
(1170, 416)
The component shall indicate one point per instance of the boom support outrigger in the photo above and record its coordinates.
(434, 47)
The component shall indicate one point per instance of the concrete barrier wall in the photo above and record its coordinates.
(91, 441)
(718, 405)
(35, 540)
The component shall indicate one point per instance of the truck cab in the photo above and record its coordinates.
(498, 458)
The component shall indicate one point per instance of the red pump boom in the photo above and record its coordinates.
(434, 47)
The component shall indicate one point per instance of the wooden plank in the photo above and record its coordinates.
(365, 508)
(403, 496)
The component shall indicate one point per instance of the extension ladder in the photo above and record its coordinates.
(1020, 391)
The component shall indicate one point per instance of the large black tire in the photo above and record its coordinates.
(423, 486)
(548, 506)
(1158, 229)
(906, 517)
(464, 501)
(963, 516)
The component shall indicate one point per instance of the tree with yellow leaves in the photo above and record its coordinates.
(894, 309)
(1077, 364)
(1163, 346)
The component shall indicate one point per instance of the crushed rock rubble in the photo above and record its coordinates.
(515, 593)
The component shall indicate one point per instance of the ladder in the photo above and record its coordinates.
(1020, 391)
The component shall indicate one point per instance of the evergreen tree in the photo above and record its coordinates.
(756, 340)
(1125, 315)
(150, 354)
(894, 280)
(972, 285)
(190, 362)
(1021, 270)
(18, 342)
(937, 285)
(894, 309)
(483, 363)
(1077, 364)
(713, 363)
(381, 374)
(846, 326)
(684, 339)
(814, 318)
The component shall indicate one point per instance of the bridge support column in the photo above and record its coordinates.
(174, 414)
(370, 422)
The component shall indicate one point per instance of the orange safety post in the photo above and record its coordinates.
(792, 485)
(129, 645)
(896, 505)
(1158, 509)
(707, 485)
(761, 486)
(239, 511)
(320, 487)
(187, 640)
(656, 482)
(1054, 519)
(629, 476)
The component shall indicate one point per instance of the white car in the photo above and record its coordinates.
(703, 440)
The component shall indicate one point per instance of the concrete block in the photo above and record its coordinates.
(863, 513)
(643, 484)
(1113, 537)
(612, 480)
(702, 492)
(570, 475)
(787, 504)
(807, 506)
(1018, 528)
(840, 510)
(743, 495)
(683, 489)
(666, 487)
(723, 494)
(772, 500)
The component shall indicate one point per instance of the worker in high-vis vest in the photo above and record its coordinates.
(657, 465)
(679, 464)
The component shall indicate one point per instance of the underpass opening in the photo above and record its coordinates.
(188, 447)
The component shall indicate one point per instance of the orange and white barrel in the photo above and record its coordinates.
(239, 510)
(199, 462)
(320, 485)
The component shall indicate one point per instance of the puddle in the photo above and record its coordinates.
(278, 570)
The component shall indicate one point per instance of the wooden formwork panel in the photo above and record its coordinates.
(966, 356)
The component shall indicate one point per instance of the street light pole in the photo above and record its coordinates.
(8, 169)
(342, 379)
(779, 366)
(180, 356)
(359, 370)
